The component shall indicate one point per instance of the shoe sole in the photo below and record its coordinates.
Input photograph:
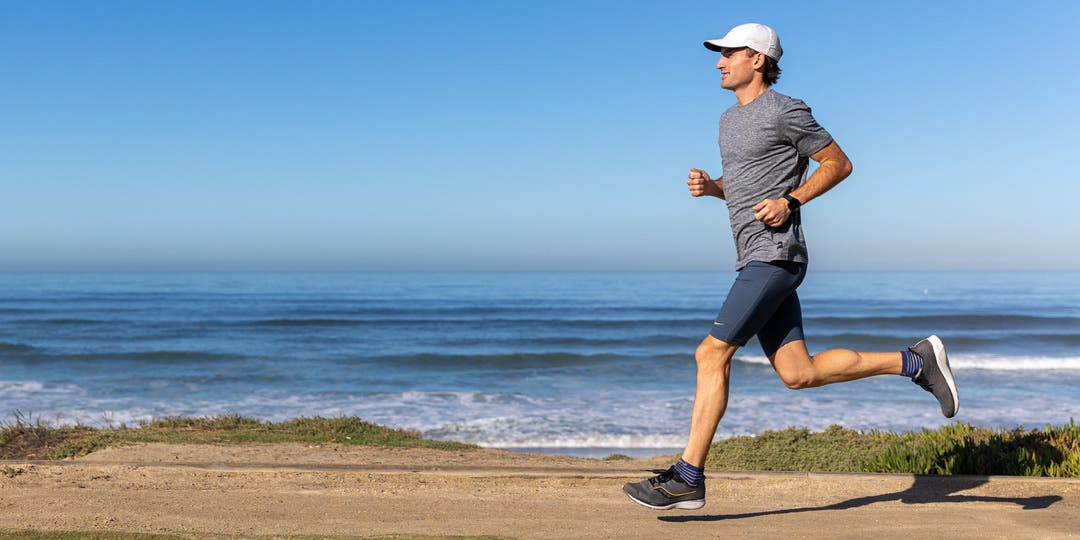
(682, 505)
(942, 359)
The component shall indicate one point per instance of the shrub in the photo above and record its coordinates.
(797, 449)
(963, 449)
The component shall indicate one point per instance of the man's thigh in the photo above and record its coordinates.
(759, 290)
(785, 326)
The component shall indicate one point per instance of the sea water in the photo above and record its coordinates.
(581, 363)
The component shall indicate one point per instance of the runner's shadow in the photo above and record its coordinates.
(926, 489)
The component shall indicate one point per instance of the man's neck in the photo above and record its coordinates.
(750, 92)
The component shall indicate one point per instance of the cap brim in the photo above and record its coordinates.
(713, 45)
(717, 44)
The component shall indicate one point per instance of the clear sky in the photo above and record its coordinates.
(404, 135)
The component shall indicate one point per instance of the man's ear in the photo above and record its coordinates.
(759, 60)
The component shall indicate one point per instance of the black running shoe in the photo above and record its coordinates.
(936, 376)
(665, 491)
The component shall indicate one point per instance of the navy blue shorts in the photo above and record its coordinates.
(763, 302)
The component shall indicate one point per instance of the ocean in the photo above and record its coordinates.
(579, 363)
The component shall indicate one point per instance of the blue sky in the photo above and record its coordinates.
(470, 135)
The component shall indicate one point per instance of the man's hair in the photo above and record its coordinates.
(771, 70)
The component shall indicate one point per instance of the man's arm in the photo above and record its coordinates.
(833, 167)
(700, 184)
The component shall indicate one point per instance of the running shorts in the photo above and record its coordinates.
(763, 302)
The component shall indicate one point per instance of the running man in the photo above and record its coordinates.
(766, 140)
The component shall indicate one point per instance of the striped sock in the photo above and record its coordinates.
(912, 364)
(690, 474)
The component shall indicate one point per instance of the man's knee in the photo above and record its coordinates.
(798, 381)
(795, 366)
(799, 378)
(714, 353)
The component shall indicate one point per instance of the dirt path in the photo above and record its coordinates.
(330, 489)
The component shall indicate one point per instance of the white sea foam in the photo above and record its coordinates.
(611, 419)
(750, 359)
(28, 389)
(594, 440)
(12, 387)
(1014, 363)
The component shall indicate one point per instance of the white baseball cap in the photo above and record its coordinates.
(759, 37)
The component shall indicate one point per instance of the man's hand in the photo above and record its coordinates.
(772, 212)
(700, 184)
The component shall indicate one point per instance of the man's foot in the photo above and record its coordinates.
(936, 376)
(665, 491)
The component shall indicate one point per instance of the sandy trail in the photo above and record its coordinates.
(333, 489)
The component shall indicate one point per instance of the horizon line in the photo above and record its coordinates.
(450, 270)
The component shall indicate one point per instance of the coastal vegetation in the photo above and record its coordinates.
(26, 437)
(952, 449)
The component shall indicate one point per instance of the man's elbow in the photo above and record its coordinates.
(846, 168)
(840, 166)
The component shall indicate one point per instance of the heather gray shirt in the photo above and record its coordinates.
(765, 146)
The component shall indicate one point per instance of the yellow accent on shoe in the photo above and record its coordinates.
(673, 494)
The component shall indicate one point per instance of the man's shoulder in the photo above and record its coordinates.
(782, 101)
(769, 102)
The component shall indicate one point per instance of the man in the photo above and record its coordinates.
(765, 142)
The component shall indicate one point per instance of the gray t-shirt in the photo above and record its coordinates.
(765, 146)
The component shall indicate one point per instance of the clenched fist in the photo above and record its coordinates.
(772, 212)
(700, 184)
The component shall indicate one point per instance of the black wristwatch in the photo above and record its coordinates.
(793, 204)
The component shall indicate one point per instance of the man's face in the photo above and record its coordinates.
(736, 67)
